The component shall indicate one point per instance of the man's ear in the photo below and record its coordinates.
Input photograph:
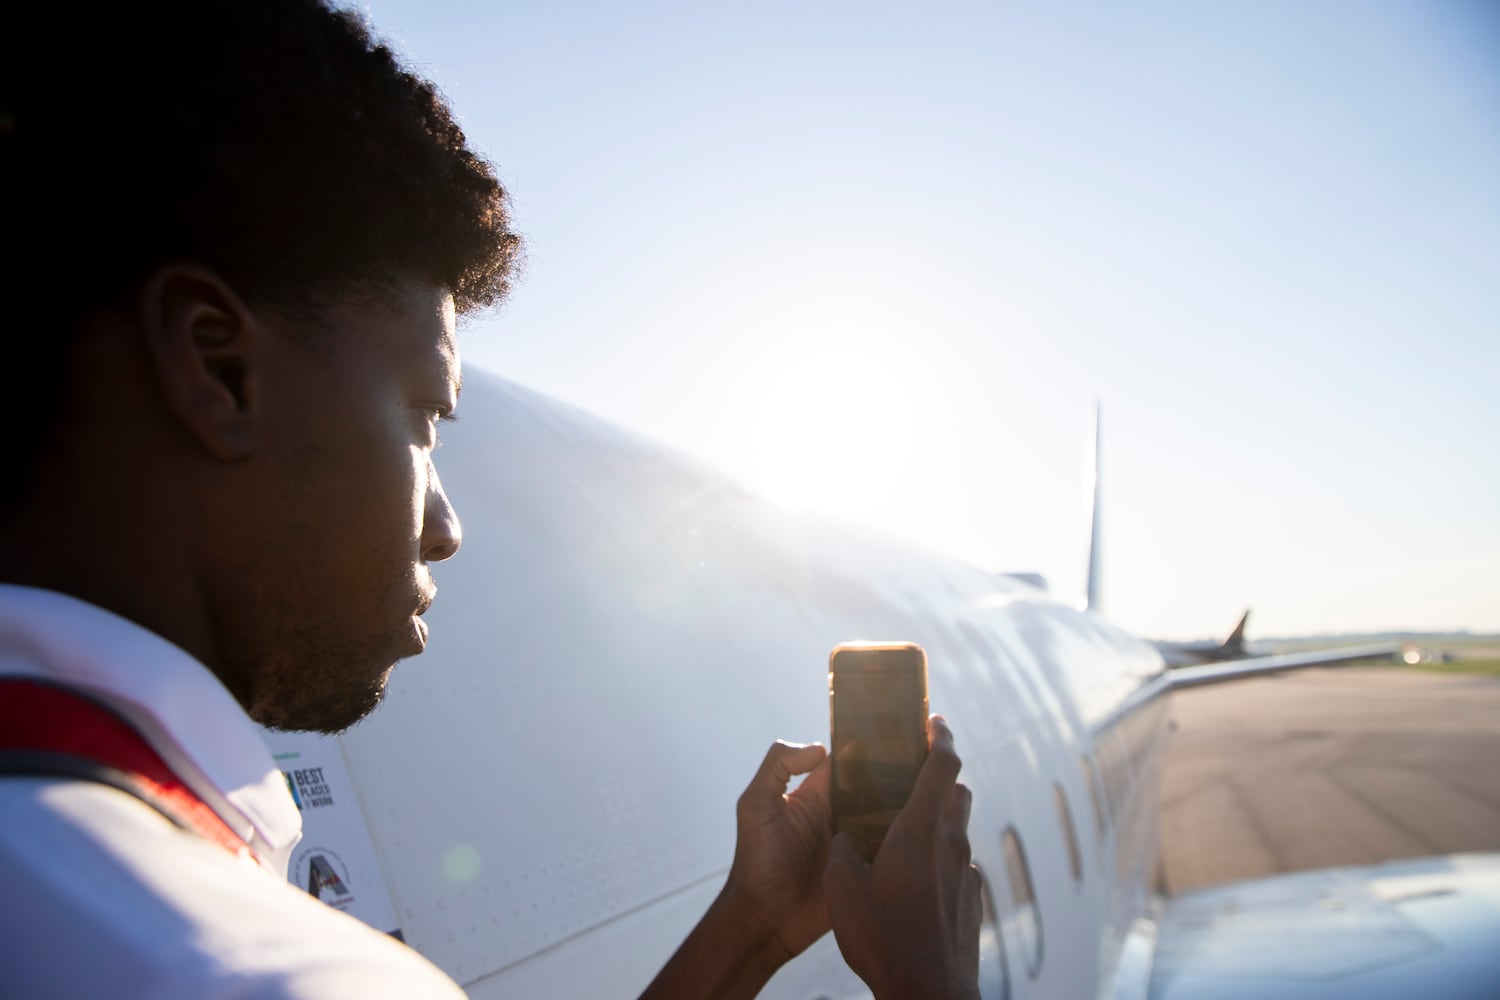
(205, 347)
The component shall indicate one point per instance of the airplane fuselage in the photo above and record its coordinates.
(620, 640)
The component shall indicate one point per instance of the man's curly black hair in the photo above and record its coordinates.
(273, 141)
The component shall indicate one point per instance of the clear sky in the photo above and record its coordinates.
(881, 258)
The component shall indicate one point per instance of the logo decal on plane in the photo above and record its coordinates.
(324, 874)
(308, 787)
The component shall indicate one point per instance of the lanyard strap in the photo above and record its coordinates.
(48, 730)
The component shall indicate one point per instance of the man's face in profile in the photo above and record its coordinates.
(345, 510)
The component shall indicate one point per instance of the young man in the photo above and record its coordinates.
(244, 233)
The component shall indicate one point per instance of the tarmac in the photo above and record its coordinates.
(1327, 767)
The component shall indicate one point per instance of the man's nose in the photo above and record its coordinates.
(441, 532)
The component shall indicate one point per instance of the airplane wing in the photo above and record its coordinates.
(1214, 673)
(1401, 929)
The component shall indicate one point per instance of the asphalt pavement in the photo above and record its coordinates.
(1327, 767)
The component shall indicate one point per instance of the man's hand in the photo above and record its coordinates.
(781, 847)
(909, 923)
(772, 904)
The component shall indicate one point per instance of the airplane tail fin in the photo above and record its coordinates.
(1234, 643)
(1091, 586)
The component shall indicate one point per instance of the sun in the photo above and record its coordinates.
(870, 389)
(841, 424)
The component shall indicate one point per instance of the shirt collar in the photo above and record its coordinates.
(175, 702)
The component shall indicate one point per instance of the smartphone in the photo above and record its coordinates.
(877, 707)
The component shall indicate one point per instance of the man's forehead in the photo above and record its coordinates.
(429, 312)
(448, 346)
(414, 324)
(452, 365)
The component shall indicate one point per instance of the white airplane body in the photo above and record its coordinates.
(550, 789)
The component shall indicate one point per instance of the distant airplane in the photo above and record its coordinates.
(1191, 654)
(1184, 654)
(550, 790)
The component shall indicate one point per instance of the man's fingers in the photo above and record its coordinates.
(955, 825)
(815, 785)
(845, 874)
(845, 850)
(781, 762)
(956, 811)
(938, 731)
(938, 774)
(971, 908)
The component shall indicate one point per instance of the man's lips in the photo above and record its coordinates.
(424, 602)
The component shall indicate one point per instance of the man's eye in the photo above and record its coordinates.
(442, 415)
(434, 416)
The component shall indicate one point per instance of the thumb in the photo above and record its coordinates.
(781, 762)
(845, 876)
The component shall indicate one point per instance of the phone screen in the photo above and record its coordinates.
(878, 699)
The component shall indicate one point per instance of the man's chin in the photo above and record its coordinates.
(320, 708)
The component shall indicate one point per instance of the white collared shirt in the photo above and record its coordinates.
(105, 897)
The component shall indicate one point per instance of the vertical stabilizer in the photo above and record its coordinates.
(1234, 643)
(1091, 586)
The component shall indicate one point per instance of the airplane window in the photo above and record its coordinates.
(1127, 758)
(1109, 773)
(1140, 731)
(994, 976)
(1091, 779)
(1065, 820)
(1124, 776)
(1028, 919)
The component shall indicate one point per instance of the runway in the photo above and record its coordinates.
(1329, 767)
